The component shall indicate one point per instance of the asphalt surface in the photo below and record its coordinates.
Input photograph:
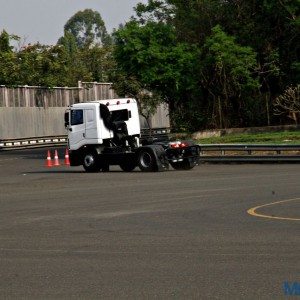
(67, 234)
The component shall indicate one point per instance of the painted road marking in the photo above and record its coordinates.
(252, 211)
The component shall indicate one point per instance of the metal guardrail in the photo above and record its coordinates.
(249, 148)
(249, 153)
(208, 152)
(250, 158)
(34, 142)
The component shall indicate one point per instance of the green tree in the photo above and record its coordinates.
(129, 86)
(88, 28)
(99, 61)
(5, 42)
(228, 74)
(150, 54)
(269, 27)
(37, 65)
(73, 61)
(9, 70)
(68, 41)
(87, 48)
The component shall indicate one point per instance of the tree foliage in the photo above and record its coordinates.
(129, 86)
(229, 75)
(5, 40)
(88, 29)
(216, 63)
(151, 55)
(64, 64)
(238, 57)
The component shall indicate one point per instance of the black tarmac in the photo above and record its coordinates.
(200, 234)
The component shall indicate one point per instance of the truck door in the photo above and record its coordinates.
(76, 129)
(90, 124)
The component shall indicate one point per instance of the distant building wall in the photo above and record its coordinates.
(27, 111)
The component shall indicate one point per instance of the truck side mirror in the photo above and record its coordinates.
(66, 119)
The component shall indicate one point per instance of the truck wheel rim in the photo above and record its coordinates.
(146, 160)
(89, 160)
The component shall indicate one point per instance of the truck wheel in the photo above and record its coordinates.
(146, 161)
(127, 166)
(90, 162)
(182, 165)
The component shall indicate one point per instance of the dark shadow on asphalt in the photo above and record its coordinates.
(78, 172)
(56, 172)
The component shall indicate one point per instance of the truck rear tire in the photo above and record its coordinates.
(90, 162)
(147, 161)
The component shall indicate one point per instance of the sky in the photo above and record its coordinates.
(43, 20)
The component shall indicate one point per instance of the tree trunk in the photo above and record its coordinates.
(220, 113)
(268, 108)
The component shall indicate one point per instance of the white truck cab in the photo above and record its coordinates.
(88, 122)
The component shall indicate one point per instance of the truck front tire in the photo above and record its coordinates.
(90, 162)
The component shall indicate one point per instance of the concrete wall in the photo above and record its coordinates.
(25, 122)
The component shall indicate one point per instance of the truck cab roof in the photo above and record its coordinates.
(107, 102)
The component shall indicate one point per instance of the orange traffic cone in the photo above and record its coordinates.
(48, 161)
(67, 161)
(56, 161)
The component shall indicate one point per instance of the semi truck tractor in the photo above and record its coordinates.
(107, 132)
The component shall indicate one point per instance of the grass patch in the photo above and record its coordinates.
(282, 137)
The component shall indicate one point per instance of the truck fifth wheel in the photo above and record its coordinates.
(107, 132)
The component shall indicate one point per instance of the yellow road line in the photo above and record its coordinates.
(252, 211)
